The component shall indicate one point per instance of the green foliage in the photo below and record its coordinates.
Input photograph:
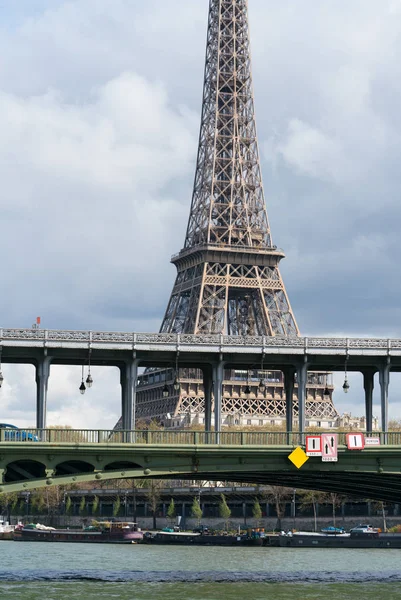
(224, 511)
(68, 506)
(8, 500)
(196, 510)
(171, 510)
(38, 503)
(82, 507)
(257, 511)
(116, 507)
(95, 505)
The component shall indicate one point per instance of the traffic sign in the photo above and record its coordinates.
(298, 457)
(313, 445)
(355, 441)
(329, 447)
(372, 441)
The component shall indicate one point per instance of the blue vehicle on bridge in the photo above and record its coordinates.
(12, 433)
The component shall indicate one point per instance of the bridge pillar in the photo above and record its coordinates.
(368, 384)
(289, 382)
(42, 379)
(129, 382)
(302, 375)
(208, 389)
(384, 379)
(218, 377)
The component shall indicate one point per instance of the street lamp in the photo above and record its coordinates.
(165, 391)
(345, 384)
(82, 387)
(176, 383)
(89, 379)
(262, 385)
(1, 374)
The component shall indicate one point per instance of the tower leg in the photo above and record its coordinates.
(289, 381)
(302, 373)
(368, 384)
(129, 381)
(42, 380)
(218, 377)
(208, 389)
(384, 379)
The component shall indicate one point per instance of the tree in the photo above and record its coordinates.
(116, 506)
(278, 496)
(153, 497)
(95, 505)
(257, 512)
(82, 507)
(224, 511)
(335, 500)
(311, 498)
(68, 506)
(196, 510)
(171, 512)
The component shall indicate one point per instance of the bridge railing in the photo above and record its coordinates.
(169, 437)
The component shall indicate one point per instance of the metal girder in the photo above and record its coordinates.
(374, 473)
(228, 276)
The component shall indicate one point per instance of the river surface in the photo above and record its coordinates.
(61, 571)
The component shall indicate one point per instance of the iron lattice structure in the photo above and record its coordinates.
(228, 278)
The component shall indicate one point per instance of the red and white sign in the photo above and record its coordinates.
(313, 445)
(329, 447)
(355, 441)
(372, 441)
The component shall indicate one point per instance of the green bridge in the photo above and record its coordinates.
(39, 458)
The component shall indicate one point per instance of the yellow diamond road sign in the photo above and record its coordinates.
(298, 457)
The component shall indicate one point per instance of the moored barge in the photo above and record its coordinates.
(354, 539)
(101, 533)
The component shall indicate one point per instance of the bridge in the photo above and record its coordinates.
(39, 458)
(212, 354)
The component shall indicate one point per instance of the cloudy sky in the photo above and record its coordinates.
(99, 117)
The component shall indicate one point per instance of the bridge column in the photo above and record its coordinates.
(42, 379)
(302, 374)
(289, 382)
(129, 382)
(218, 377)
(368, 384)
(384, 379)
(208, 389)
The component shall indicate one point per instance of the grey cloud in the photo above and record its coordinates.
(100, 111)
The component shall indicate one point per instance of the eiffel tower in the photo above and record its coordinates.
(228, 278)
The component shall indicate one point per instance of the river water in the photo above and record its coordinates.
(59, 571)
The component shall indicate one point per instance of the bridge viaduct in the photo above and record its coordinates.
(41, 460)
(211, 353)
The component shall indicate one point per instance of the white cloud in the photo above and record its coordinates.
(99, 112)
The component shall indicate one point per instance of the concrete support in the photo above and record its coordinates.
(218, 378)
(289, 382)
(368, 384)
(129, 381)
(42, 380)
(302, 374)
(208, 389)
(384, 379)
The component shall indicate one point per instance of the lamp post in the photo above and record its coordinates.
(125, 505)
(293, 507)
(134, 501)
(27, 504)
